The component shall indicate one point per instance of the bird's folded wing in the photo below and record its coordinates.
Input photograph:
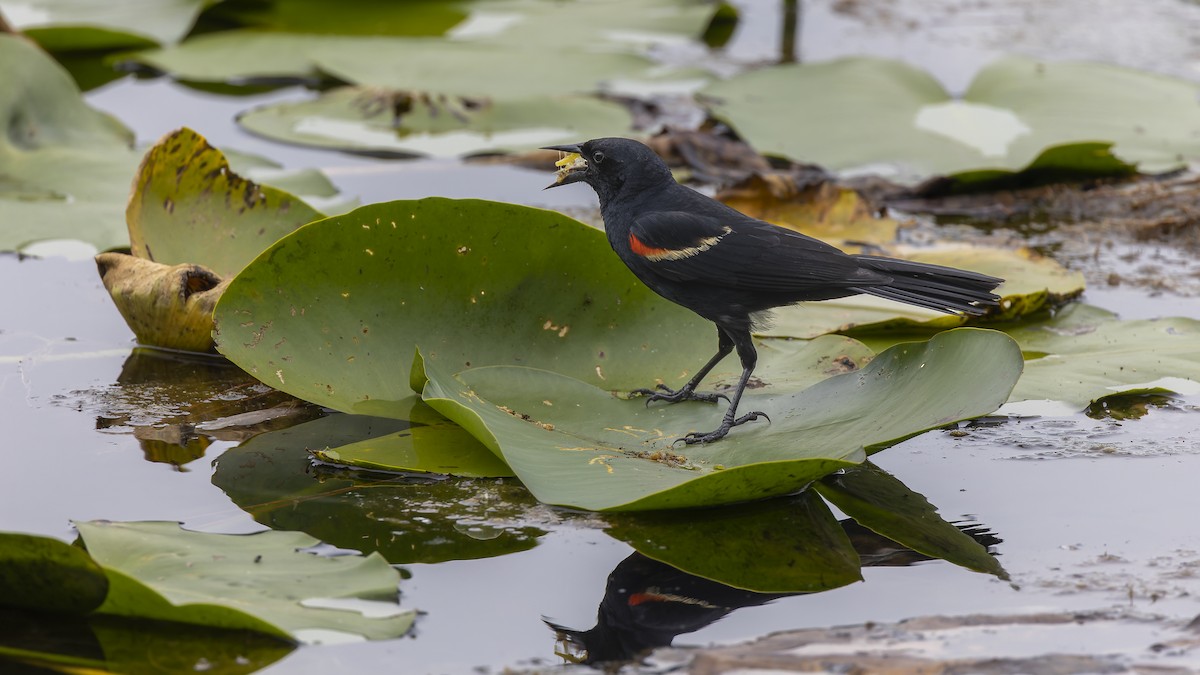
(742, 253)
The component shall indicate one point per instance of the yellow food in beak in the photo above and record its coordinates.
(572, 162)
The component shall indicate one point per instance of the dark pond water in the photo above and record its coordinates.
(1083, 513)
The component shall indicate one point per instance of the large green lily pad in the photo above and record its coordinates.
(575, 444)
(64, 166)
(1032, 283)
(405, 519)
(1014, 109)
(332, 313)
(188, 206)
(261, 582)
(362, 119)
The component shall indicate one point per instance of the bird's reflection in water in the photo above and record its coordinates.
(647, 603)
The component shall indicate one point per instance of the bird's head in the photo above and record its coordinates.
(608, 165)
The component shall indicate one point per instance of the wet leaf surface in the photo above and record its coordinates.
(573, 444)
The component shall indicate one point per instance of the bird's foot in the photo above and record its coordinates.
(696, 437)
(664, 393)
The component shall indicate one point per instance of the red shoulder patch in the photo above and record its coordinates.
(640, 248)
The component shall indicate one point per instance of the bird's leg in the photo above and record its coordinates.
(749, 357)
(688, 391)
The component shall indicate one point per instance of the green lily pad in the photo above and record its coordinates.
(64, 166)
(574, 444)
(1085, 354)
(456, 68)
(188, 206)
(45, 574)
(879, 502)
(777, 546)
(441, 449)
(361, 119)
(1014, 109)
(332, 312)
(1032, 283)
(261, 582)
(404, 519)
(1056, 164)
(66, 25)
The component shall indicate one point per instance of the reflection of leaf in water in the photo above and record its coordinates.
(114, 644)
(177, 403)
(880, 502)
(405, 519)
(790, 545)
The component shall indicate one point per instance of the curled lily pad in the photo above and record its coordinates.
(188, 206)
(574, 444)
(377, 120)
(165, 305)
(1013, 110)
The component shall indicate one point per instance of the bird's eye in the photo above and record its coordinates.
(597, 157)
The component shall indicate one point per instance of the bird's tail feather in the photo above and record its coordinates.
(945, 289)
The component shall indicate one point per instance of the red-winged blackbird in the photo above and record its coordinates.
(728, 267)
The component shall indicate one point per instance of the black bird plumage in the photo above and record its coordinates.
(728, 267)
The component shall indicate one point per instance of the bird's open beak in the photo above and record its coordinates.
(571, 168)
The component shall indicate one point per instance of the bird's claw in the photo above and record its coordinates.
(720, 432)
(665, 393)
